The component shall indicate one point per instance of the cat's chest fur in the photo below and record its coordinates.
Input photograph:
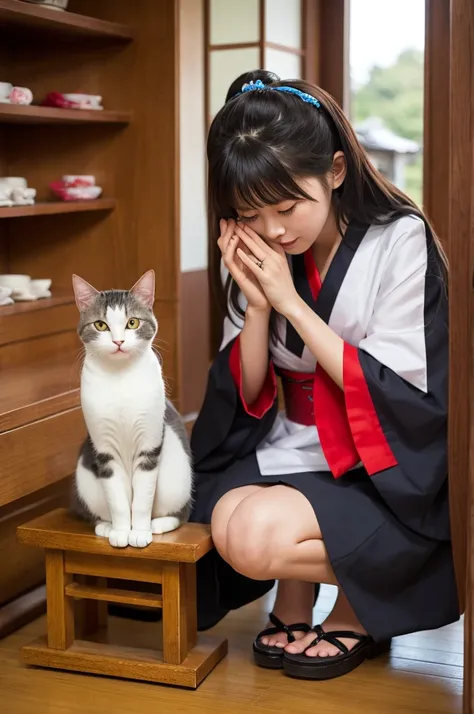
(124, 409)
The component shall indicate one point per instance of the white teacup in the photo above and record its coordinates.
(5, 89)
(23, 295)
(16, 181)
(16, 282)
(38, 287)
(84, 180)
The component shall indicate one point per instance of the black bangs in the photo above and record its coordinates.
(250, 175)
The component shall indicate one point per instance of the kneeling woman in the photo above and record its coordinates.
(337, 284)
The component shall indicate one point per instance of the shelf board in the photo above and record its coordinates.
(38, 390)
(24, 321)
(15, 13)
(60, 297)
(52, 208)
(32, 114)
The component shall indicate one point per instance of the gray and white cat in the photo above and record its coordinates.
(134, 475)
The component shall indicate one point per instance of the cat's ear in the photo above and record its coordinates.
(84, 293)
(144, 289)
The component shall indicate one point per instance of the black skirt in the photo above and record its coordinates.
(396, 580)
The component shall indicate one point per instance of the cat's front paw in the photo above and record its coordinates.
(103, 528)
(119, 538)
(140, 539)
(165, 524)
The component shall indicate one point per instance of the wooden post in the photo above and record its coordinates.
(60, 609)
(175, 636)
(191, 604)
(90, 615)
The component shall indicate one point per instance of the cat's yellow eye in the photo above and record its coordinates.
(101, 325)
(133, 323)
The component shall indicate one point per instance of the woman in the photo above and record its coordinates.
(336, 283)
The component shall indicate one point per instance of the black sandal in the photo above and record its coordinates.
(303, 667)
(270, 656)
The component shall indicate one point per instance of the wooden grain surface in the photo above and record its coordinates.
(105, 594)
(31, 114)
(40, 454)
(60, 529)
(14, 13)
(60, 608)
(422, 675)
(96, 658)
(117, 567)
(51, 208)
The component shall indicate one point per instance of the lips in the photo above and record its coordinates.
(289, 243)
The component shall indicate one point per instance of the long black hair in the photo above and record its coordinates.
(261, 142)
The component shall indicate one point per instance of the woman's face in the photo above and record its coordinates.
(297, 224)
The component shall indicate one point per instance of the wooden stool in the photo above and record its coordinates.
(72, 549)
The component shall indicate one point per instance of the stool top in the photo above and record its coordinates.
(61, 530)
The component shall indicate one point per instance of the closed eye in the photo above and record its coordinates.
(288, 211)
(251, 219)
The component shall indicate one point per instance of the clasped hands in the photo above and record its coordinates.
(260, 270)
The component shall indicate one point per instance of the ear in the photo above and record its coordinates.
(339, 169)
(84, 293)
(144, 289)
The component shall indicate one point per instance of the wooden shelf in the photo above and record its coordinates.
(38, 390)
(49, 209)
(16, 13)
(24, 321)
(60, 297)
(32, 114)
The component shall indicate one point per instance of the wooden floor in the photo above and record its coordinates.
(423, 675)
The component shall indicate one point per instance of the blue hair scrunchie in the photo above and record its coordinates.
(290, 90)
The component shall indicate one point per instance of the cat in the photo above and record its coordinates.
(134, 473)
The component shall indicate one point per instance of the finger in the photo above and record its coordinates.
(249, 262)
(252, 234)
(228, 232)
(231, 247)
(251, 244)
(230, 261)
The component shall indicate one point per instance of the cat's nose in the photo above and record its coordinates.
(119, 343)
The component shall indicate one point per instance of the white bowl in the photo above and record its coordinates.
(40, 286)
(15, 282)
(86, 180)
(5, 89)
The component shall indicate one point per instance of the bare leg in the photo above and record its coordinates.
(264, 543)
(223, 511)
(295, 599)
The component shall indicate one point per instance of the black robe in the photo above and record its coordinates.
(382, 499)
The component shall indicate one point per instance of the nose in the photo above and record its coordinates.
(274, 230)
(119, 343)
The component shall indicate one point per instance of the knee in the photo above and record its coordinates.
(253, 541)
(219, 524)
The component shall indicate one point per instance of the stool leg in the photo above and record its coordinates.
(175, 635)
(91, 615)
(191, 604)
(60, 609)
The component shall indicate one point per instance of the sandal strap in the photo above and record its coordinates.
(333, 638)
(280, 626)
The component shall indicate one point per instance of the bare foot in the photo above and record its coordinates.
(342, 617)
(294, 603)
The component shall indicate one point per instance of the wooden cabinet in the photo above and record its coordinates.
(127, 53)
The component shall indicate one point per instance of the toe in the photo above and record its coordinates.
(140, 539)
(301, 644)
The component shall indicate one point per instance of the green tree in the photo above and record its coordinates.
(395, 94)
